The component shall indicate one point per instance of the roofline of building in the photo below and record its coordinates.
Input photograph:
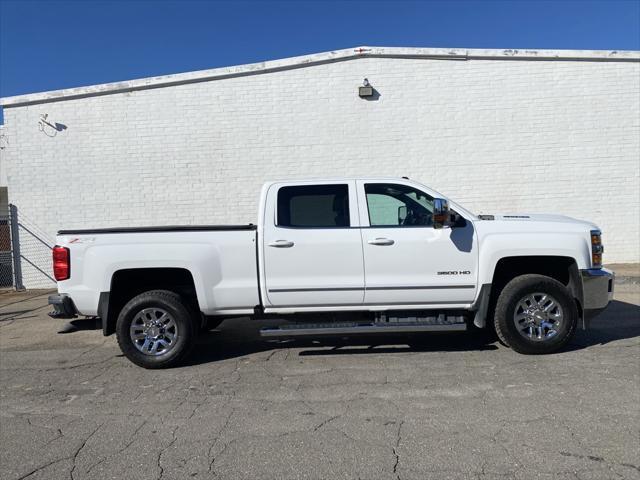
(315, 59)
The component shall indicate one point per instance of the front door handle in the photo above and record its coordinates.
(281, 244)
(381, 241)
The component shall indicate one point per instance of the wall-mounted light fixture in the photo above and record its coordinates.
(366, 90)
(49, 128)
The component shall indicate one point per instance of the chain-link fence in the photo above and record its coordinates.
(35, 253)
(6, 260)
(25, 252)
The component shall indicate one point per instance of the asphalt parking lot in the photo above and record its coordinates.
(459, 408)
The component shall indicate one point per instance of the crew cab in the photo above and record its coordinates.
(337, 257)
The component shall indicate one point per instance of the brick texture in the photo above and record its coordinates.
(495, 135)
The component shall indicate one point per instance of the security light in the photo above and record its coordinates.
(366, 90)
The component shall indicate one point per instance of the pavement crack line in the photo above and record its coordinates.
(195, 409)
(173, 440)
(84, 443)
(396, 465)
(42, 467)
(322, 424)
(215, 442)
(70, 457)
(127, 445)
(595, 458)
(271, 354)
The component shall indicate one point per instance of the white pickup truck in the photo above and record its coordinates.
(337, 257)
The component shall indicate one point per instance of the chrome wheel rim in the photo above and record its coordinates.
(538, 317)
(154, 331)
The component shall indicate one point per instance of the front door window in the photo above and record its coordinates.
(392, 205)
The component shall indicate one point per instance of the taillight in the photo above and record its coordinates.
(596, 249)
(61, 264)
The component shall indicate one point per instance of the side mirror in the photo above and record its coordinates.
(402, 214)
(441, 213)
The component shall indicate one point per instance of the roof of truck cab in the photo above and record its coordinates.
(339, 179)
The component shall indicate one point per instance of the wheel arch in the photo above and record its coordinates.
(561, 268)
(128, 282)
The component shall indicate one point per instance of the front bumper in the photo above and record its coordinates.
(63, 307)
(597, 290)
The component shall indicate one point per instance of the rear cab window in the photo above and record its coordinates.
(313, 206)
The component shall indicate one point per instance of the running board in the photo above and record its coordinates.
(342, 329)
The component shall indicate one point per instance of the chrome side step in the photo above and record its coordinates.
(348, 329)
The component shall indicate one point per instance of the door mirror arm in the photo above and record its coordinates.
(457, 220)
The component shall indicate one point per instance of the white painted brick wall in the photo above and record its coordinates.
(495, 135)
(3, 170)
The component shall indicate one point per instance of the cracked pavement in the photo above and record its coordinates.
(73, 408)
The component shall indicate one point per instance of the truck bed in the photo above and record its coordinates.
(220, 259)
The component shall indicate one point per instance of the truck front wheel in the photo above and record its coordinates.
(535, 314)
(155, 329)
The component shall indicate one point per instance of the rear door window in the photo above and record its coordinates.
(313, 206)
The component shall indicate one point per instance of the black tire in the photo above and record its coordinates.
(184, 320)
(507, 304)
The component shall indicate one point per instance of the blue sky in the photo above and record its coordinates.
(47, 45)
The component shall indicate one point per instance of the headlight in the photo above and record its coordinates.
(596, 249)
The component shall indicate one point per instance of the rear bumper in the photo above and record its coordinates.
(63, 307)
(597, 290)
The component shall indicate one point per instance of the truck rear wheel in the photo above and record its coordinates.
(535, 314)
(155, 329)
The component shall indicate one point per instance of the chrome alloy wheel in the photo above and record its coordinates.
(538, 317)
(154, 331)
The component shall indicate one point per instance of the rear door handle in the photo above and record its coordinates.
(381, 241)
(282, 244)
